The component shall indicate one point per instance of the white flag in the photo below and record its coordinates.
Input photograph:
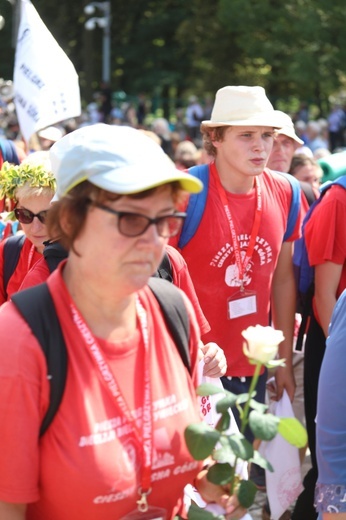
(45, 80)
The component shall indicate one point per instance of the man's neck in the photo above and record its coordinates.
(234, 182)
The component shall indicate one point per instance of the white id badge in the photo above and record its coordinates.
(152, 513)
(241, 304)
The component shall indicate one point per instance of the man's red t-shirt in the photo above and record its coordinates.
(211, 261)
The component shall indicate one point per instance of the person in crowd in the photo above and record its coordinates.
(238, 262)
(116, 445)
(11, 151)
(306, 169)
(321, 153)
(300, 130)
(314, 136)
(160, 127)
(48, 136)
(185, 155)
(285, 144)
(326, 245)
(336, 128)
(331, 421)
(105, 102)
(29, 188)
(142, 109)
(193, 116)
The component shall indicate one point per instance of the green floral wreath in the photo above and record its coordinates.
(13, 176)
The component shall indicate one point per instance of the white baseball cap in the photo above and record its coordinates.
(118, 159)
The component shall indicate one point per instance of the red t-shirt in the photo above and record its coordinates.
(88, 463)
(325, 234)
(211, 261)
(27, 258)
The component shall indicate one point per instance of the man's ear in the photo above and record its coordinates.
(213, 138)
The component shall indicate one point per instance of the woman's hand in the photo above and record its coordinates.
(211, 493)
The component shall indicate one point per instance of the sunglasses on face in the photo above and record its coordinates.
(134, 224)
(25, 216)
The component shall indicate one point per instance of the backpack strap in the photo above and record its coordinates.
(308, 191)
(37, 308)
(12, 248)
(165, 270)
(196, 205)
(175, 314)
(53, 254)
(295, 204)
(341, 181)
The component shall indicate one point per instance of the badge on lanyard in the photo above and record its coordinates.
(241, 304)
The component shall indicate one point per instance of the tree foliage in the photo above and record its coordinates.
(294, 48)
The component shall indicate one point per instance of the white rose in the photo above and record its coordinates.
(262, 343)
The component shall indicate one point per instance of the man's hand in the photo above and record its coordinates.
(215, 364)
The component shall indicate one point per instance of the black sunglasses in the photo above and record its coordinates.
(25, 216)
(135, 224)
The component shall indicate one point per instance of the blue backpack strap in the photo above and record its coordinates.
(295, 204)
(196, 205)
(341, 181)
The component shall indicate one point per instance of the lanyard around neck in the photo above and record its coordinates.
(145, 434)
(241, 264)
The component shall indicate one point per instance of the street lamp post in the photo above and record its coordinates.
(105, 23)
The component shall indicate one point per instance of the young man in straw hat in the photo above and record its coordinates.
(239, 262)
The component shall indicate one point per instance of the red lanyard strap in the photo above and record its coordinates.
(241, 264)
(145, 435)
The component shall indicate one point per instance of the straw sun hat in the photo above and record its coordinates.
(244, 106)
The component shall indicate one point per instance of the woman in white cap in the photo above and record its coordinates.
(115, 448)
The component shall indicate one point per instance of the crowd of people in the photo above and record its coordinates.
(117, 197)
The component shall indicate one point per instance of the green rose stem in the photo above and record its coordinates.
(244, 419)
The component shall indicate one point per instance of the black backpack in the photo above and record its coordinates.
(12, 248)
(37, 308)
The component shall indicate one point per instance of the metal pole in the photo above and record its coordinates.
(106, 54)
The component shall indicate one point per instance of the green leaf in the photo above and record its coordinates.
(220, 474)
(261, 461)
(201, 440)
(240, 446)
(293, 431)
(224, 422)
(263, 426)
(246, 493)
(226, 402)
(242, 398)
(259, 407)
(224, 453)
(209, 389)
(196, 513)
